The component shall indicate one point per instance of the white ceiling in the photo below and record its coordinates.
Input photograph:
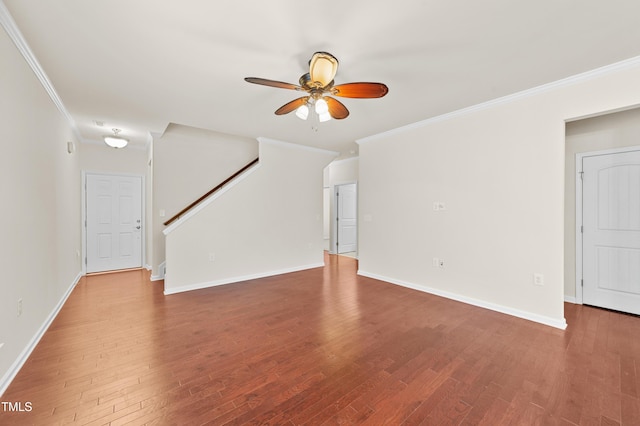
(139, 65)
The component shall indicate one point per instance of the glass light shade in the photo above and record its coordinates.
(115, 141)
(325, 116)
(323, 67)
(302, 112)
(321, 106)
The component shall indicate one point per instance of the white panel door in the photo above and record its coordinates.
(611, 234)
(114, 222)
(347, 217)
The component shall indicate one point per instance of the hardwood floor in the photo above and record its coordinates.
(322, 346)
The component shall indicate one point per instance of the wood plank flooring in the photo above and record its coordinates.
(320, 347)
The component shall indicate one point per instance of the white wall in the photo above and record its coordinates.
(499, 169)
(132, 160)
(100, 158)
(187, 163)
(343, 171)
(270, 222)
(41, 209)
(609, 131)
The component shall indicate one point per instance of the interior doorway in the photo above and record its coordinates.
(608, 212)
(615, 131)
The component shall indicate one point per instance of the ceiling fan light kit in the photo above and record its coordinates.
(302, 112)
(319, 85)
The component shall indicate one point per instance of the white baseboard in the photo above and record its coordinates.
(570, 299)
(24, 355)
(561, 324)
(161, 272)
(232, 280)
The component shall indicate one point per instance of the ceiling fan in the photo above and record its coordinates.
(319, 86)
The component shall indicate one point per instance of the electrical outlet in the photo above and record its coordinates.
(441, 264)
(19, 307)
(212, 257)
(538, 279)
(435, 262)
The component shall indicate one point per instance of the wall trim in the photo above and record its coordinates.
(14, 33)
(24, 355)
(571, 299)
(238, 279)
(161, 272)
(575, 79)
(561, 324)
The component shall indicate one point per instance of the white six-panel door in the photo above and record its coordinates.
(611, 234)
(347, 217)
(114, 222)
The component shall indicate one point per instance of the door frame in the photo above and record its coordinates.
(334, 214)
(83, 223)
(578, 222)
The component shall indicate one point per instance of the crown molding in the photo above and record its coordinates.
(575, 79)
(14, 33)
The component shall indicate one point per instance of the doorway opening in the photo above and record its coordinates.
(608, 244)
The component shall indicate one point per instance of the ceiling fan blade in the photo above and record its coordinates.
(336, 109)
(360, 90)
(292, 106)
(272, 83)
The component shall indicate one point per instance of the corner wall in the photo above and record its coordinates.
(499, 170)
(41, 189)
(187, 163)
(268, 223)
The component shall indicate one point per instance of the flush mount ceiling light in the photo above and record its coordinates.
(318, 83)
(116, 141)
